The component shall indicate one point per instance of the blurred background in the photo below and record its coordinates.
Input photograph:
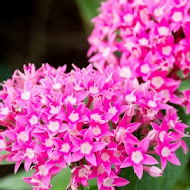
(42, 31)
(52, 31)
(39, 31)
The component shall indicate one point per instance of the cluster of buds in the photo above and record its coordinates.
(148, 40)
(95, 122)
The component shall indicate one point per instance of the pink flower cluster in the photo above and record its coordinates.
(148, 40)
(95, 122)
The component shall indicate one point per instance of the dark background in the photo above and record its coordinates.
(40, 31)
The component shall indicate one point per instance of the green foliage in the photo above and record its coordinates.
(171, 174)
(15, 182)
(184, 85)
(61, 180)
(88, 10)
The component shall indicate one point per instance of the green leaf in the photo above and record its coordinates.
(88, 10)
(4, 162)
(62, 179)
(170, 176)
(184, 85)
(92, 185)
(171, 173)
(15, 182)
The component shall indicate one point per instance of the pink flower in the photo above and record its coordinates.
(137, 157)
(86, 147)
(80, 175)
(153, 171)
(96, 122)
(111, 181)
(167, 152)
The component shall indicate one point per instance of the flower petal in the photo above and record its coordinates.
(144, 144)
(119, 182)
(91, 158)
(138, 169)
(76, 156)
(149, 160)
(173, 159)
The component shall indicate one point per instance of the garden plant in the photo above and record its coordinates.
(122, 117)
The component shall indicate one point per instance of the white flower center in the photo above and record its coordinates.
(188, 56)
(143, 41)
(106, 139)
(86, 148)
(96, 131)
(56, 86)
(129, 45)
(157, 82)
(42, 170)
(30, 153)
(5, 111)
(77, 87)
(165, 93)
(96, 117)
(137, 157)
(65, 148)
(33, 120)
(54, 109)
(18, 108)
(2, 144)
(105, 157)
(23, 136)
(74, 117)
(83, 172)
(43, 99)
(117, 153)
(128, 18)
(161, 135)
(165, 152)
(159, 12)
(163, 31)
(177, 16)
(101, 170)
(53, 126)
(130, 98)
(137, 27)
(106, 51)
(108, 182)
(48, 142)
(94, 90)
(145, 69)
(152, 103)
(112, 110)
(122, 1)
(25, 95)
(71, 99)
(166, 50)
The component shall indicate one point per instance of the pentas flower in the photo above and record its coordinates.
(95, 122)
(86, 147)
(167, 151)
(152, 34)
(153, 171)
(2, 143)
(112, 181)
(186, 100)
(80, 175)
(138, 157)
